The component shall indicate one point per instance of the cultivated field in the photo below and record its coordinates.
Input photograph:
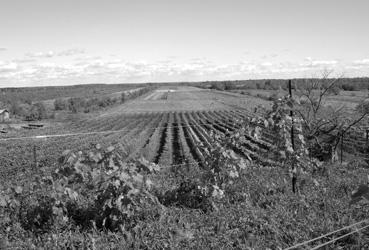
(185, 98)
(185, 195)
(163, 130)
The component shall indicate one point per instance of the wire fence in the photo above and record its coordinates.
(35, 137)
(329, 234)
(358, 147)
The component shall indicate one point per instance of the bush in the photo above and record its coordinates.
(95, 189)
(105, 102)
(218, 86)
(273, 97)
(123, 98)
(363, 107)
(348, 87)
(60, 104)
(15, 109)
(75, 104)
(37, 112)
(28, 101)
(336, 90)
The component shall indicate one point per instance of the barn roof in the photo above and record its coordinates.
(3, 110)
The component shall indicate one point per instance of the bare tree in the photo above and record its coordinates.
(325, 124)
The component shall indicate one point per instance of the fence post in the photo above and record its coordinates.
(341, 146)
(294, 170)
(34, 156)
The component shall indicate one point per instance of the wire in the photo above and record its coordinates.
(325, 235)
(338, 238)
(98, 132)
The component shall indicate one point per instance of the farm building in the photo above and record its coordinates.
(4, 115)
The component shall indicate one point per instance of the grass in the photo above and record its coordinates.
(187, 98)
(260, 212)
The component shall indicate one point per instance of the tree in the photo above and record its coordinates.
(75, 104)
(60, 104)
(323, 125)
(123, 97)
(268, 85)
(306, 126)
(37, 112)
(15, 108)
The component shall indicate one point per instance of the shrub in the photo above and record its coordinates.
(363, 107)
(60, 104)
(348, 87)
(37, 112)
(123, 98)
(217, 86)
(15, 108)
(28, 101)
(106, 101)
(89, 189)
(273, 97)
(75, 104)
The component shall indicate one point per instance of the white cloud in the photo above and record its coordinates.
(324, 63)
(87, 69)
(3, 49)
(8, 66)
(310, 62)
(266, 64)
(24, 60)
(71, 52)
(362, 62)
(41, 54)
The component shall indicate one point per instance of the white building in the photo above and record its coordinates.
(4, 115)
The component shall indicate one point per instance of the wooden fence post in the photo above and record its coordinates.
(34, 156)
(341, 146)
(294, 170)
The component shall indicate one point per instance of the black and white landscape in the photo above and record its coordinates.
(167, 124)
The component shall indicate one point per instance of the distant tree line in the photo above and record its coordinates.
(346, 84)
(29, 112)
(81, 104)
(37, 94)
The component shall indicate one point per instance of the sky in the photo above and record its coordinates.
(53, 42)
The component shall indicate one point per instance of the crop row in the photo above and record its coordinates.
(163, 138)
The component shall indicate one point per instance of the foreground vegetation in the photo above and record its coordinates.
(96, 201)
(214, 180)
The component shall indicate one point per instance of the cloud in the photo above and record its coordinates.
(312, 63)
(324, 63)
(362, 62)
(87, 58)
(3, 49)
(24, 60)
(110, 70)
(71, 52)
(266, 64)
(41, 54)
(8, 67)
